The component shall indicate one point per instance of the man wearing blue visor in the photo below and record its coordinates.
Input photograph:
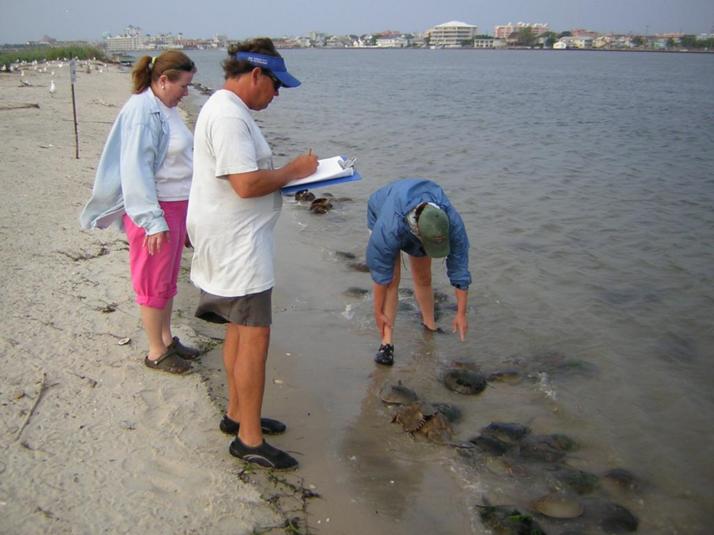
(234, 204)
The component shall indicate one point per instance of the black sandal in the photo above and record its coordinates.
(168, 362)
(185, 352)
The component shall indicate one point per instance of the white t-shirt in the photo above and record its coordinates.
(173, 179)
(232, 237)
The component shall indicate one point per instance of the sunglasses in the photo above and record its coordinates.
(277, 84)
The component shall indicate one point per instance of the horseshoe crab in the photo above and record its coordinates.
(304, 195)
(464, 381)
(509, 376)
(346, 255)
(615, 518)
(321, 205)
(491, 445)
(397, 394)
(576, 480)
(452, 412)
(541, 448)
(558, 506)
(354, 291)
(422, 417)
(359, 266)
(506, 520)
(506, 431)
(623, 478)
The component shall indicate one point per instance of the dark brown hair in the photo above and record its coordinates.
(233, 67)
(147, 69)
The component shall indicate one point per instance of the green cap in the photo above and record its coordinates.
(433, 224)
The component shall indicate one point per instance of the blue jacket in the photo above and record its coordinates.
(124, 183)
(387, 211)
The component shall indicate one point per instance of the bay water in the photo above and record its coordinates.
(586, 183)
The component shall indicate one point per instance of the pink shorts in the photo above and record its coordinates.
(154, 277)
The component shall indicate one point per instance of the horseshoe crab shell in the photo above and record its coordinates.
(423, 418)
(304, 195)
(506, 431)
(464, 381)
(397, 394)
(508, 520)
(411, 417)
(558, 506)
(321, 205)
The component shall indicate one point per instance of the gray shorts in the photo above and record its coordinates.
(253, 310)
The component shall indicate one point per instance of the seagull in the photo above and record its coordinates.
(52, 87)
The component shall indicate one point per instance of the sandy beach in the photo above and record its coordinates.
(91, 440)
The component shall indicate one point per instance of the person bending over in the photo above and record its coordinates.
(415, 216)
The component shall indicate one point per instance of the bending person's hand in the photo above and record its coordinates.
(154, 242)
(460, 325)
(382, 322)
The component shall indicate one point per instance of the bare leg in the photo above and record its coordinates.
(153, 320)
(230, 354)
(392, 299)
(423, 292)
(166, 335)
(249, 380)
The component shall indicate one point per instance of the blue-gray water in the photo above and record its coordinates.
(585, 181)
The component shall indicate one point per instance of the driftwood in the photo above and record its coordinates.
(43, 387)
(19, 106)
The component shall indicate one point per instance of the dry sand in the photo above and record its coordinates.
(91, 440)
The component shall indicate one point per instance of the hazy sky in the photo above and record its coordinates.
(23, 20)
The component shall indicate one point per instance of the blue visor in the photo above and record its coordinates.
(274, 64)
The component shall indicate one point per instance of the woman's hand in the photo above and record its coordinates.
(154, 242)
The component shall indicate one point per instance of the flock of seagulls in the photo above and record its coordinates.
(23, 67)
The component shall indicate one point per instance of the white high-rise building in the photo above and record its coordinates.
(454, 34)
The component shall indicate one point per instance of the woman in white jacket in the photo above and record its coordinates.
(142, 184)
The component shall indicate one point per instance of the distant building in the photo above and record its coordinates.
(131, 39)
(574, 42)
(484, 42)
(504, 31)
(122, 43)
(454, 34)
(392, 42)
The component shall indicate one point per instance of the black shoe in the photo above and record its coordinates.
(264, 455)
(267, 425)
(438, 329)
(385, 355)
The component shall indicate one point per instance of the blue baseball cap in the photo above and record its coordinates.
(274, 64)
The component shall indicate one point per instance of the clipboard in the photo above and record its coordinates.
(329, 172)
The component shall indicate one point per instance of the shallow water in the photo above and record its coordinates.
(585, 182)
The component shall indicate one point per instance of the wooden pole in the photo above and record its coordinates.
(73, 78)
